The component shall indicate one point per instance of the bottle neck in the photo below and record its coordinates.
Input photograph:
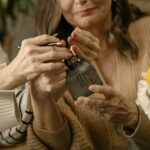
(73, 62)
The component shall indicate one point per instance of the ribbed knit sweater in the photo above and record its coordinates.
(89, 131)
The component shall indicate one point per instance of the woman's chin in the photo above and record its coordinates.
(85, 24)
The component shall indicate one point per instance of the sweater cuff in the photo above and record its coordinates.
(142, 132)
(55, 140)
(9, 113)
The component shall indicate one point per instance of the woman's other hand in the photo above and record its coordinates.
(51, 84)
(84, 44)
(34, 58)
(111, 105)
(46, 89)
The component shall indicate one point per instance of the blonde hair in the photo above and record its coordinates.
(48, 15)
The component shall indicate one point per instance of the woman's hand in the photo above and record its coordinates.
(50, 85)
(84, 44)
(47, 88)
(110, 104)
(34, 58)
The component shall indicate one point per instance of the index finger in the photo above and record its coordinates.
(40, 40)
(85, 33)
(107, 91)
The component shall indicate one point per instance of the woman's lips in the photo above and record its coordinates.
(86, 12)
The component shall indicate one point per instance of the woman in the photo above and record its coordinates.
(113, 36)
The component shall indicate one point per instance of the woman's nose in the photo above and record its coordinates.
(80, 1)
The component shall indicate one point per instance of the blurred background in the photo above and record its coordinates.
(17, 23)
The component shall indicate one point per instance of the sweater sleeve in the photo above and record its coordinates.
(15, 114)
(71, 136)
(139, 32)
(56, 140)
(142, 133)
(9, 112)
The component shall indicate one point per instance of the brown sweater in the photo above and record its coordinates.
(90, 132)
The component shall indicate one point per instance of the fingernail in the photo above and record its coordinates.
(74, 47)
(91, 86)
(78, 102)
(70, 40)
(63, 43)
(79, 99)
(72, 51)
(77, 29)
(74, 34)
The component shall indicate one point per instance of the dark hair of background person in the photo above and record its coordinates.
(123, 14)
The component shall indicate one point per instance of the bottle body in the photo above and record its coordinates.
(80, 75)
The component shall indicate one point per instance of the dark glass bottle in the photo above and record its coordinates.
(80, 75)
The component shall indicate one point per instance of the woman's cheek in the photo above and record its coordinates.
(66, 5)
